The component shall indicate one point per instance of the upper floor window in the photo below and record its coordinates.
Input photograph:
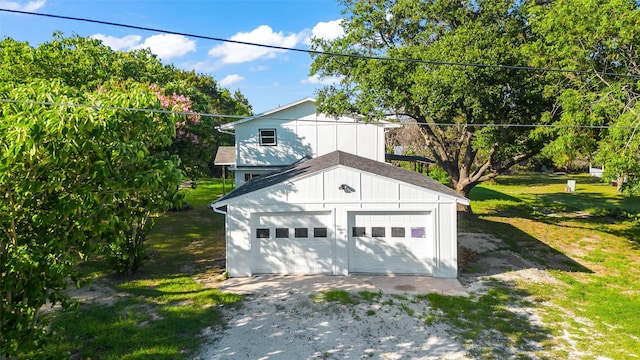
(268, 137)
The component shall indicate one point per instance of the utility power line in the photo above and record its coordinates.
(317, 52)
(160, 111)
(329, 122)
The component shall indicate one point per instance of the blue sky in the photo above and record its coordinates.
(268, 78)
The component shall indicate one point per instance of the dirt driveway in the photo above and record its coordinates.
(284, 321)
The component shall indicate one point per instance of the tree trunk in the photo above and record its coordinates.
(619, 183)
(464, 211)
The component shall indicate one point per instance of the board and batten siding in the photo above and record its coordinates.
(320, 192)
(296, 139)
(311, 134)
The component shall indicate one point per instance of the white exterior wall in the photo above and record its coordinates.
(319, 192)
(300, 132)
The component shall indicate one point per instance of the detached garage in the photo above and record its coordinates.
(340, 214)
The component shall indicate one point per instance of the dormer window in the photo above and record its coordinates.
(268, 137)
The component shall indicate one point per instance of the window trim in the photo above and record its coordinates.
(262, 137)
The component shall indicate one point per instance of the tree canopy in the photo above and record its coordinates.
(85, 63)
(462, 110)
(87, 153)
(600, 38)
(72, 179)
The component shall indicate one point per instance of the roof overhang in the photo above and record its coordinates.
(226, 155)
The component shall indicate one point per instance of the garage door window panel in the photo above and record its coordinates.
(320, 232)
(418, 232)
(301, 232)
(358, 231)
(282, 233)
(378, 232)
(397, 232)
(262, 233)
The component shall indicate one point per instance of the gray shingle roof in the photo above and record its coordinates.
(346, 159)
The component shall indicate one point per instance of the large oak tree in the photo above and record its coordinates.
(462, 109)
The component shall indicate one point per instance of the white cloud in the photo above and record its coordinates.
(21, 6)
(327, 80)
(168, 46)
(258, 68)
(231, 79)
(330, 30)
(124, 43)
(237, 53)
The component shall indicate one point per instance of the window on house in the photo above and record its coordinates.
(418, 232)
(262, 233)
(248, 177)
(282, 233)
(397, 232)
(301, 232)
(377, 231)
(358, 231)
(268, 137)
(320, 232)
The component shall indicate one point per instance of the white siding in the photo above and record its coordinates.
(375, 188)
(320, 194)
(300, 133)
(327, 139)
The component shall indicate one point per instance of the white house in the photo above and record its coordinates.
(341, 213)
(281, 137)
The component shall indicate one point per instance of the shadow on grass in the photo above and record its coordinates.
(529, 247)
(587, 200)
(495, 325)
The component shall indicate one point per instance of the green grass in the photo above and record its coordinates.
(340, 296)
(488, 319)
(161, 311)
(589, 240)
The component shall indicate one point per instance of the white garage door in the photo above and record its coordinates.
(292, 243)
(398, 243)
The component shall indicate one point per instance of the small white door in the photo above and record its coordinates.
(292, 243)
(391, 242)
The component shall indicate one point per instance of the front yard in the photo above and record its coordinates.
(585, 302)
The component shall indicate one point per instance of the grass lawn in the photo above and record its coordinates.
(160, 312)
(589, 241)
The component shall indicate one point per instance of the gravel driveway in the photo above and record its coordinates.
(290, 325)
(282, 323)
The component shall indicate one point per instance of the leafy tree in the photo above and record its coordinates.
(71, 178)
(86, 63)
(598, 38)
(448, 101)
